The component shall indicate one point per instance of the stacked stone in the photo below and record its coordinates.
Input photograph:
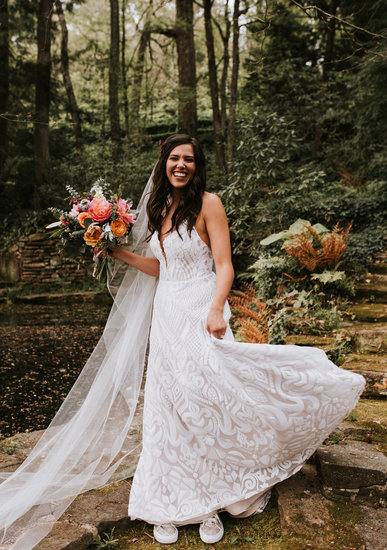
(41, 262)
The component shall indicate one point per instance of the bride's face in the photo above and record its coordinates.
(180, 165)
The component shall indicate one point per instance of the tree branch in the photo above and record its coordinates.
(337, 18)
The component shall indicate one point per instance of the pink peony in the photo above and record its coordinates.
(100, 210)
(75, 210)
(65, 219)
(123, 210)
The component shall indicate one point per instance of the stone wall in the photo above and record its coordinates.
(36, 259)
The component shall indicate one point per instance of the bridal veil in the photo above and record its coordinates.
(86, 446)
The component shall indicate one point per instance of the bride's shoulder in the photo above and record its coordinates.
(212, 202)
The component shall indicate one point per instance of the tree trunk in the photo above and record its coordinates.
(4, 81)
(218, 137)
(186, 66)
(64, 57)
(138, 73)
(226, 61)
(42, 100)
(328, 56)
(234, 87)
(114, 113)
(124, 73)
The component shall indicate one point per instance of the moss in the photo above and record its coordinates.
(261, 532)
(370, 416)
(344, 517)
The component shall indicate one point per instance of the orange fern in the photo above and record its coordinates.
(329, 248)
(252, 315)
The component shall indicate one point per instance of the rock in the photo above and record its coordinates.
(379, 267)
(68, 535)
(368, 337)
(375, 286)
(372, 528)
(374, 369)
(369, 312)
(353, 470)
(366, 362)
(323, 342)
(302, 508)
(376, 383)
(105, 508)
(9, 268)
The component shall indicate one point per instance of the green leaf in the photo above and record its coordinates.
(273, 238)
(52, 225)
(298, 226)
(87, 222)
(320, 228)
(328, 276)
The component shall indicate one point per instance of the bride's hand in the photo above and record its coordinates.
(216, 325)
(115, 252)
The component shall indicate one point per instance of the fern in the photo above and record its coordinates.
(252, 315)
(313, 250)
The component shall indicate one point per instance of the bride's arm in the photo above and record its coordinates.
(219, 235)
(150, 266)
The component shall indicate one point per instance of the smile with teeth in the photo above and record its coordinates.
(179, 174)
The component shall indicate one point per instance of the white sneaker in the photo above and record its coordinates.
(166, 533)
(211, 530)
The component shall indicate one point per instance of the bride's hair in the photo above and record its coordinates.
(191, 197)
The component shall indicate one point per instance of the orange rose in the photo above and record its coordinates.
(92, 235)
(118, 228)
(100, 210)
(81, 218)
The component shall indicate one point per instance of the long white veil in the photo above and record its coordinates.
(86, 445)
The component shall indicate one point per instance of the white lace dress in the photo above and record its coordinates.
(223, 421)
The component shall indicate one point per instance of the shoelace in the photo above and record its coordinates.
(211, 522)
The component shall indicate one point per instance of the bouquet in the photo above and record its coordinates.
(95, 224)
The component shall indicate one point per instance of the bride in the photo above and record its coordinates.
(223, 421)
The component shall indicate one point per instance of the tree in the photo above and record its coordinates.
(138, 73)
(124, 72)
(185, 46)
(72, 102)
(214, 91)
(4, 81)
(42, 99)
(326, 67)
(234, 86)
(114, 72)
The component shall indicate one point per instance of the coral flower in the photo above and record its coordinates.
(65, 219)
(123, 210)
(82, 216)
(100, 210)
(118, 227)
(92, 235)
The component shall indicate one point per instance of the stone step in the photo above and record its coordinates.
(367, 337)
(308, 520)
(97, 297)
(366, 362)
(353, 470)
(367, 312)
(373, 288)
(378, 267)
(374, 369)
(322, 342)
(367, 422)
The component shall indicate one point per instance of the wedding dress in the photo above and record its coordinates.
(223, 421)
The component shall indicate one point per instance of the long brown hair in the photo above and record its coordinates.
(191, 195)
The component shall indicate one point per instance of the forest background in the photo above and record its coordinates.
(287, 98)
